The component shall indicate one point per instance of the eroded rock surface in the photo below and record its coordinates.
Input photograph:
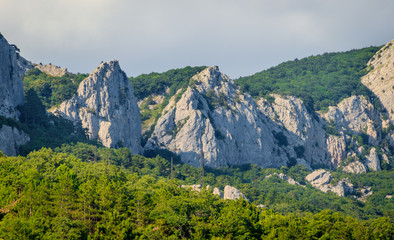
(106, 106)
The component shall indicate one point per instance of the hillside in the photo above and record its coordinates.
(320, 81)
(54, 194)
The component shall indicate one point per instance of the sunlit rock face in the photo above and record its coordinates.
(106, 106)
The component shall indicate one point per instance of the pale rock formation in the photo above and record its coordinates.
(381, 78)
(305, 130)
(12, 70)
(215, 118)
(232, 193)
(357, 115)
(106, 106)
(336, 148)
(11, 139)
(343, 188)
(11, 79)
(216, 191)
(355, 167)
(51, 69)
(372, 161)
(320, 179)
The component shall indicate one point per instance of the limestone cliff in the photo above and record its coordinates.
(12, 70)
(11, 79)
(381, 78)
(214, 118)
(105, 105)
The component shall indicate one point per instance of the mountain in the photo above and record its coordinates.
(105, 105)
(12, 70)
(215, 119)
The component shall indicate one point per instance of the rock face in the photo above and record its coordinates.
(355, 167)
(304, 131)
(232, 193)
(12, 70)
(381, 78)
(215, 118)
(11, 139)
(320, 179)
(11, 79)
(372, 161)
(51, 70)
(106, 106)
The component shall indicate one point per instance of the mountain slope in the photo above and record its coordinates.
(320, 81)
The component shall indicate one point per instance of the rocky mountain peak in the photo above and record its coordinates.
(106, 106)
(211, 79)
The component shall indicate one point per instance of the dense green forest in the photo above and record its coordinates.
(320, 81)
(146, 85)
(85, 192)
(52, 90)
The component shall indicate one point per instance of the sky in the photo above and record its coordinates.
(242, 37)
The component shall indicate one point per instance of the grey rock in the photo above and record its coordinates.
(232, 132)
(343, 188)
(11, 79)
(320, 179)
(216, 191)
(11, 139)
(355, 167)
(52, 70)
(381, 78)
(232, 193)
(372, 161)
(106, 106)
(284, 177)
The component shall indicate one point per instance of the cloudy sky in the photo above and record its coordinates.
(240, 36)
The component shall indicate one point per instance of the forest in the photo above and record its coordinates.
(320, 81)
(84, 192)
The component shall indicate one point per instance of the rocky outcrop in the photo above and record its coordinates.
(355, 167)
(284, 177)
(213, 117)
(372, 161)
(106, 106)
(304, 130)
(216, 191)
(380, 80)
(12, 70)
(320, 179)
(11, 139)
(343, 188)
(232, 193)
(11, 79)
(51, 69)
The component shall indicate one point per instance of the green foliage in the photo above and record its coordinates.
(156, 83)
(45, 130)
(320, 81)
(52, 90)
(55, 195)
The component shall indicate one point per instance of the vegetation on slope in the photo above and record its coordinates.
(54, 195)
(320, 81)
(45, 130)
(52, 90)
(146, 85)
